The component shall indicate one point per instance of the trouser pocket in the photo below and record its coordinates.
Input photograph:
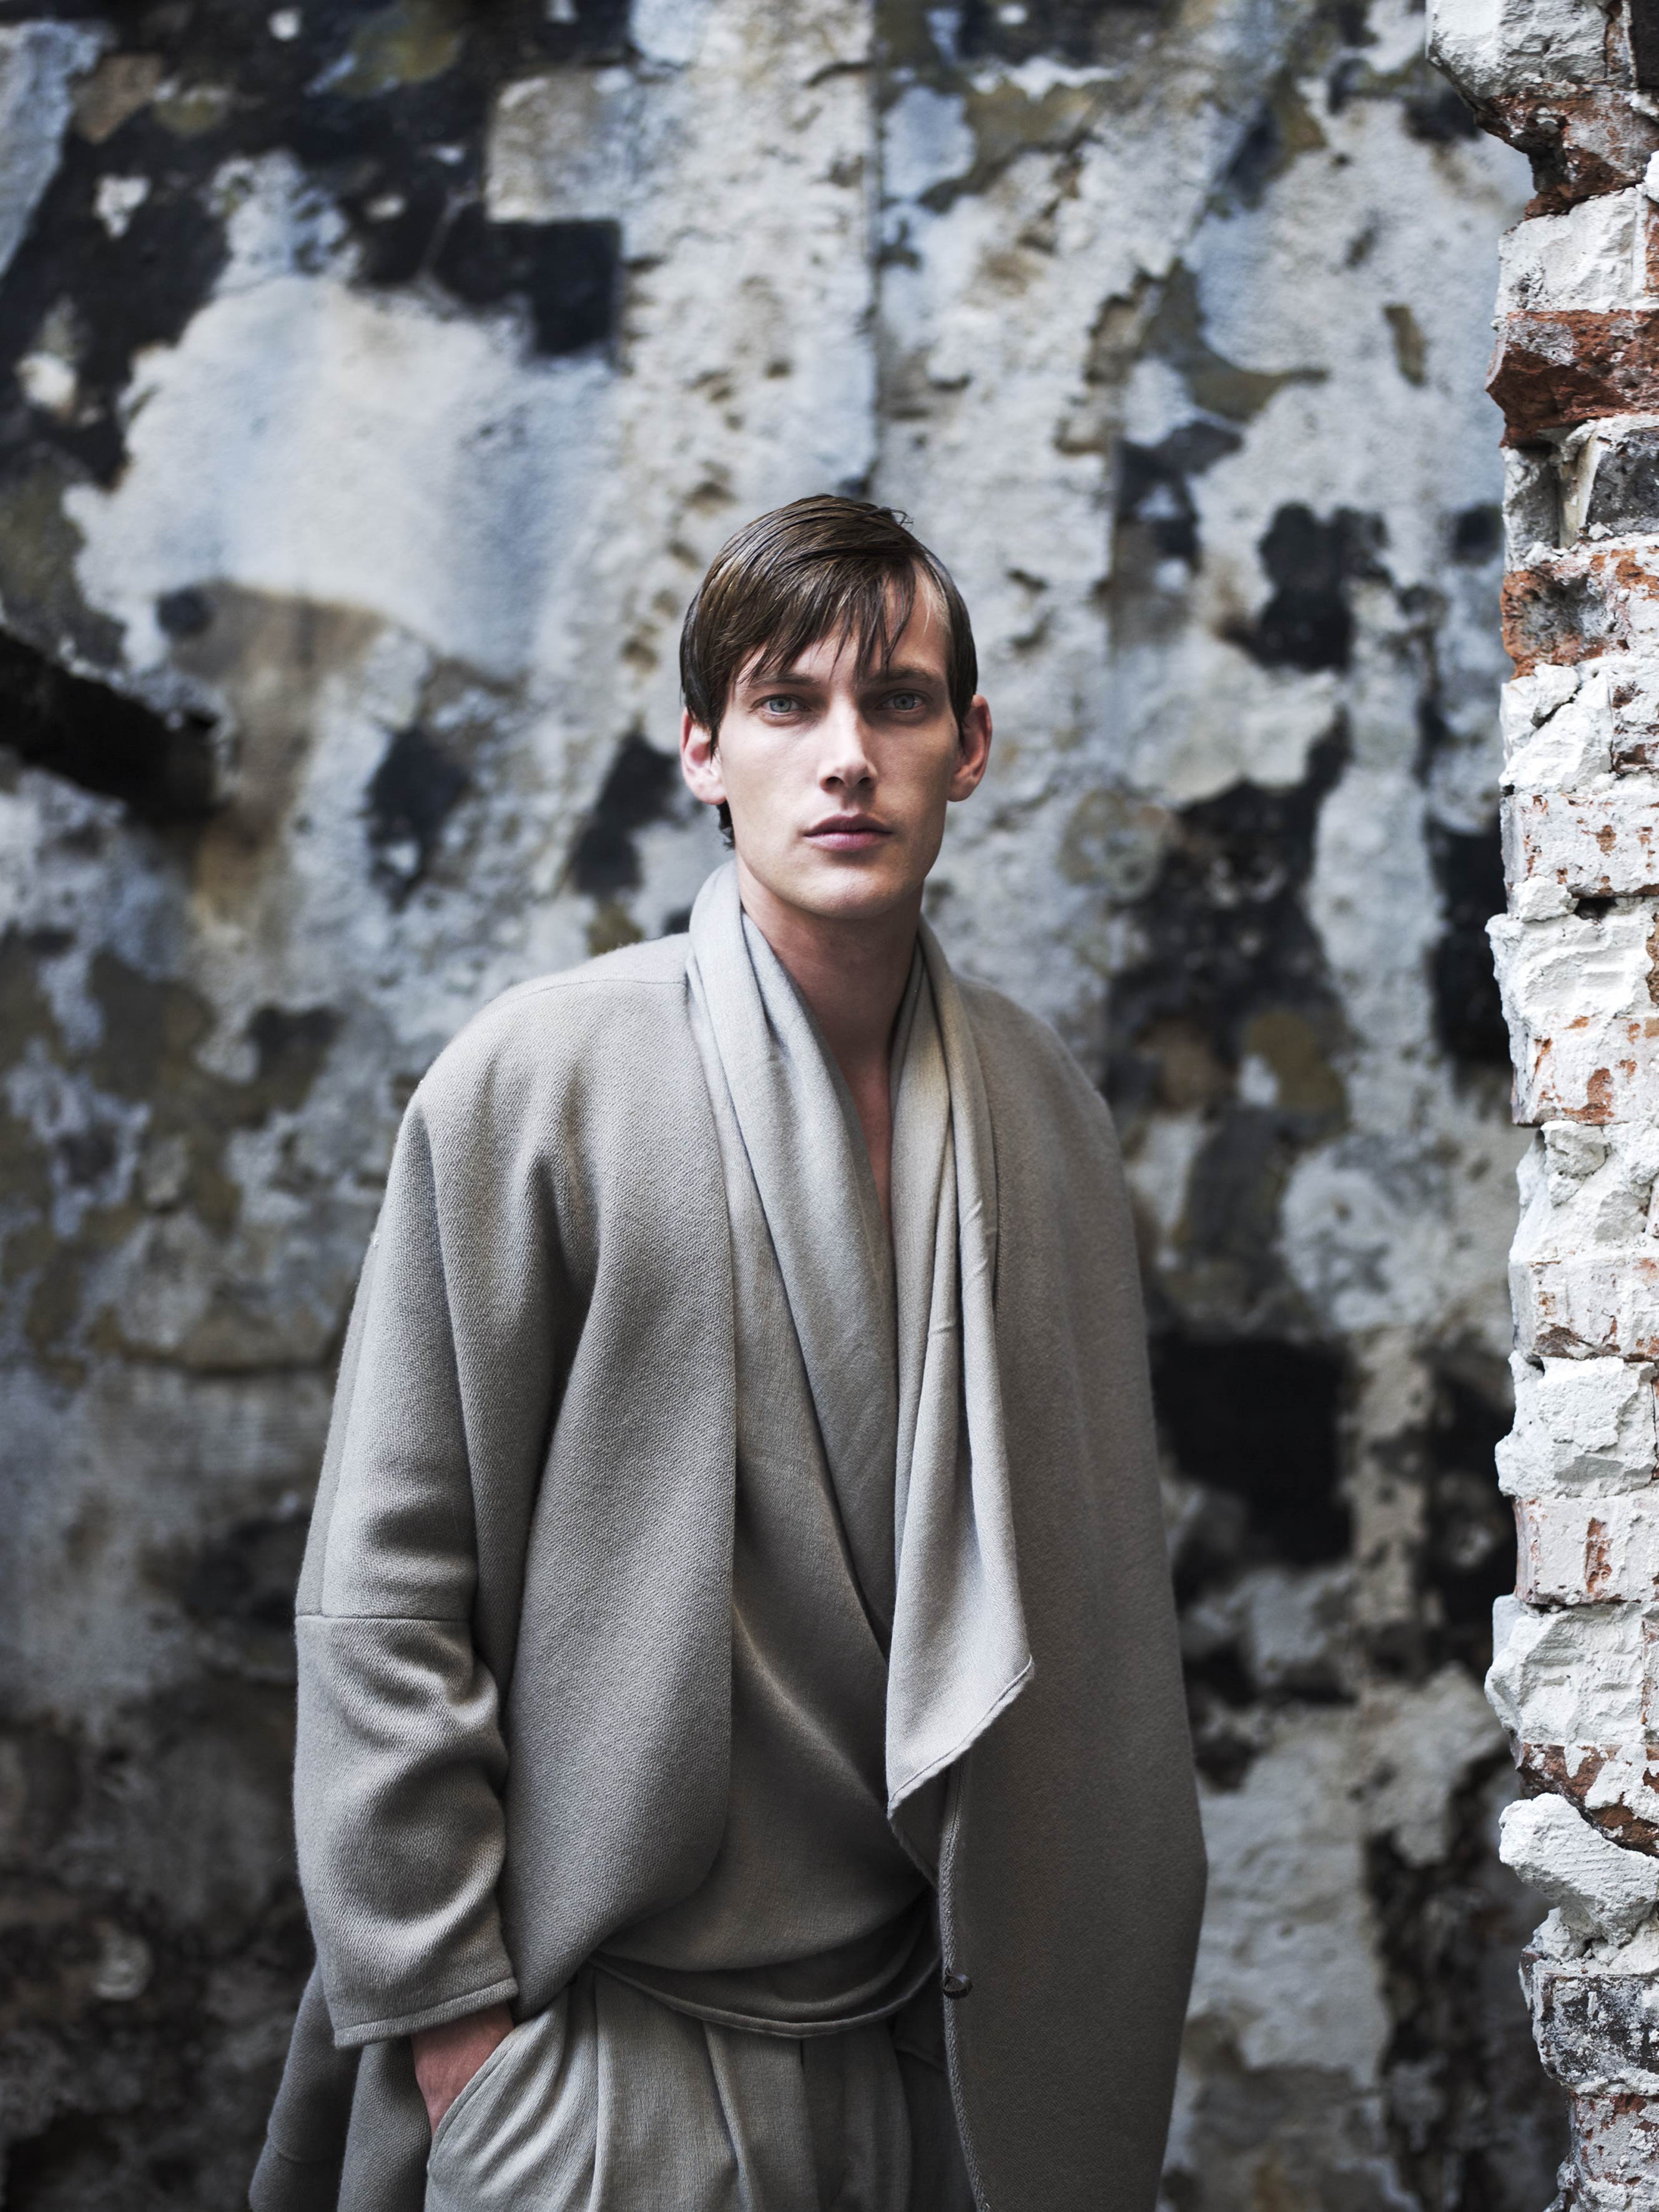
(520, 2137)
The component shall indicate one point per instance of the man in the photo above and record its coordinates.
(742, 1765)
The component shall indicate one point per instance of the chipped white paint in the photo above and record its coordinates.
(1492, 46)
(1594, 257)
(1565, 1677)
(1616, 1781)
(1584, 1021)
(1589, 1552)
(1599, 842)
(1581, 1425)
(1584, 1267)
(312, 490)
(1598, 1888)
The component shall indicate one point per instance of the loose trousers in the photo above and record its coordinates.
(609, 2101)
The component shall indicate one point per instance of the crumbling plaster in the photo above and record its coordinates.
(379, 382)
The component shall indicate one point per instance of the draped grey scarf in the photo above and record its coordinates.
(899, 1343)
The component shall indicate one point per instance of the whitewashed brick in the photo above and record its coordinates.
(1594, 257)
(1584, 1266)
(1599, 841)
(1558, 727)
(1587, 1551)
(1593, 601)
(1573, 1676)
(1598, 1888)
(1488, 47)
(1632, 687)
(1581, 1425)
(1578, 994)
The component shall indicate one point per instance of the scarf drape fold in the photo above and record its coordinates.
(898, 1342)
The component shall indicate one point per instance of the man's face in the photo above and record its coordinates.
(838, 783)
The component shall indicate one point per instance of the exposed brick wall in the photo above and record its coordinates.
(1575, 1677)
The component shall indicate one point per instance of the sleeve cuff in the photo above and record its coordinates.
(349, 2038)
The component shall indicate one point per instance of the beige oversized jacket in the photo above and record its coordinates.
(514, 1617)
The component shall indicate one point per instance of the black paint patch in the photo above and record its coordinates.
(1643, 19)
(245, 1579)
(290, 1048)
(1469, 1539)
(1258, 1419)
(410, 796)
(566, 273)
(1157, 517)
(140, 290)
(638, 790)
(1233, 973)
(184, 613)
(1075, 31)
(161, 767)
(1284, 128)
(1308, 624)
(1435, 115)
(1224, 918)
(1477, 536)
(87, 1155)
(1468, 1017)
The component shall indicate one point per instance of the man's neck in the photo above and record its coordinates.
(851, 972)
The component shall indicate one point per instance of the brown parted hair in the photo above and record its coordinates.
(823, 567)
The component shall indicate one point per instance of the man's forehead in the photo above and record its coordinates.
(920, 649)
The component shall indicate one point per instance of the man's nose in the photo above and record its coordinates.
(845, 759)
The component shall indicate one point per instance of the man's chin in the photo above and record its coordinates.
(856, 886)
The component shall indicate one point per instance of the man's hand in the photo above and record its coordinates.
(447, 2057)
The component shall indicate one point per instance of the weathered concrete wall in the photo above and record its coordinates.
(1572, 1679)
(377, 382)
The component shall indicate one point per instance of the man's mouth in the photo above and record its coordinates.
(849, 833)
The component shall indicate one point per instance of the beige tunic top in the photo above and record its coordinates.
(812, 1918)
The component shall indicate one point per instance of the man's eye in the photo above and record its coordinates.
(779, 703)
(905, 702)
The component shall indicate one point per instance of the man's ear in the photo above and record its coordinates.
(973, 748)
(700, 762)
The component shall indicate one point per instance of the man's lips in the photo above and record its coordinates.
(849, 833)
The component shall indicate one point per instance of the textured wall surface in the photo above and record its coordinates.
(1574, 1678)
(376, 382)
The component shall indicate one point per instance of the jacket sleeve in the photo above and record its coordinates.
(443, 1406)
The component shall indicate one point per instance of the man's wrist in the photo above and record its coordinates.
(447, 2057)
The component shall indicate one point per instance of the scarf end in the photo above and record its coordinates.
(899, 1791)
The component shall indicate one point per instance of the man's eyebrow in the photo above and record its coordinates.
(764, 679)
(771, 679)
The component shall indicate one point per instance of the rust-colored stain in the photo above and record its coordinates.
(1598, 1559)
(1543, 1768)
(1582, 143)
(1560, 367)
